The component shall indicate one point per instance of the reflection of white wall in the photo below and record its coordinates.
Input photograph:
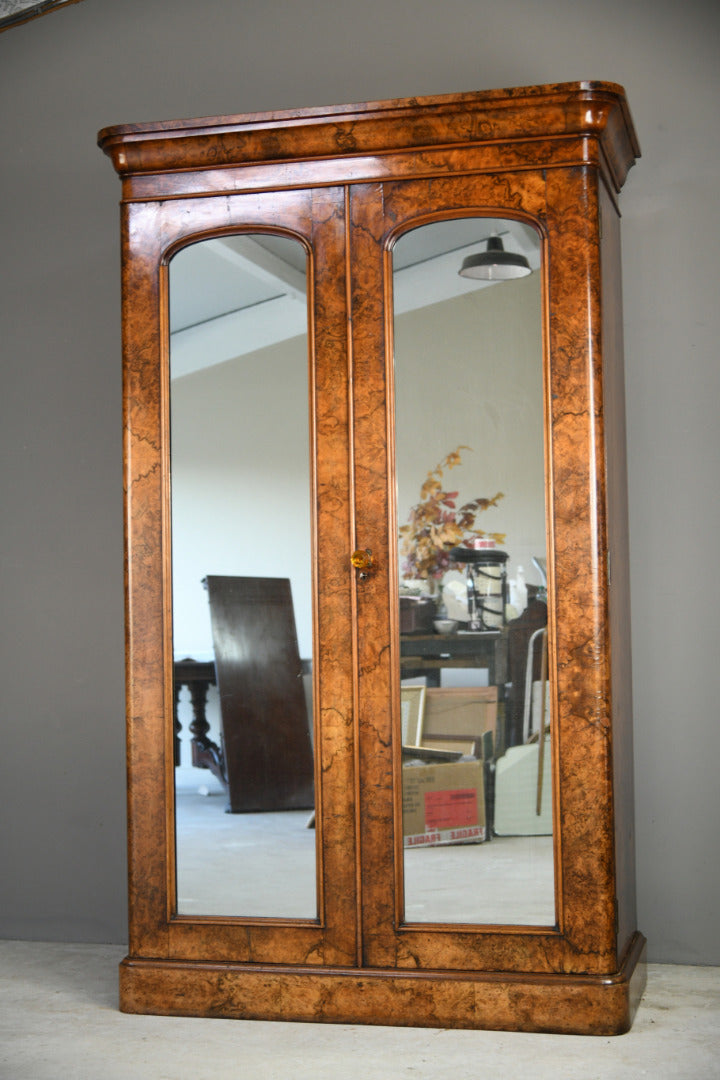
(469, 371)
(240, 465)
(240, 484)
(240, 499)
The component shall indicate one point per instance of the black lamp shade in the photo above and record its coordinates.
(495, 264)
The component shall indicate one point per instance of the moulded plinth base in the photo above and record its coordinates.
(562, 1004)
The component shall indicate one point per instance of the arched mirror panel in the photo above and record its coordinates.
(241, 495)
(474, 677)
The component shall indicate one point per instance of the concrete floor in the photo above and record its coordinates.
(59, 1021)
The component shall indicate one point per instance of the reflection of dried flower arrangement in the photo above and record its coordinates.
(435, 525)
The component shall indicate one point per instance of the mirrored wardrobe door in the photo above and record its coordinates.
(248, 556)
(469, 756)
(475, 685)
(242, 596)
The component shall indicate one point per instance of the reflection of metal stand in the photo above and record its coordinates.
(543, 728)
(486, 585)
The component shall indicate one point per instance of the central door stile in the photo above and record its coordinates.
(359, 575)
(376, 594)
(333, 688)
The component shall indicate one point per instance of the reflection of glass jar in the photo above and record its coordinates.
(486, 585)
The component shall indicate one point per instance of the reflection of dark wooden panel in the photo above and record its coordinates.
(266, 739)
(427, 654)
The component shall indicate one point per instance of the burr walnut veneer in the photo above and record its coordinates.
(346, 182)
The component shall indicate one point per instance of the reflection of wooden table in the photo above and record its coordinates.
(198, 676)
(426, 654)
(420, 654)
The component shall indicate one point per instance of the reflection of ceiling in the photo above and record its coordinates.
(236, 294)
(232, 296)
(217, 278)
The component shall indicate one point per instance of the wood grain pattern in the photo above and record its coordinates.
(580, 567)
(589, 1005)
(594, 110)
(346, 181)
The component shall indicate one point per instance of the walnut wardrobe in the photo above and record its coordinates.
(345, 220)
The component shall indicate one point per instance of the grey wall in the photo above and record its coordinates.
(100, 62)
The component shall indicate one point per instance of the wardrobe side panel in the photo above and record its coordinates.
(618, 571)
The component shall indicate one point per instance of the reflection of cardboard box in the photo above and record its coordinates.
(443, 804)
(456, 711)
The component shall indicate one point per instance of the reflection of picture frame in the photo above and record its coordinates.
(467, 711)
(458, 743)
(412, 712)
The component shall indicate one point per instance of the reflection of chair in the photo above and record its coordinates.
(523, 797)
(266, 738)
(519, 633)
(535, 704)
(523, 803)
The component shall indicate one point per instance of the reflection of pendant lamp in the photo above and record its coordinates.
(495, 264)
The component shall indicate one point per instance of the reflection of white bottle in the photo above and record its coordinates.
(520, 598)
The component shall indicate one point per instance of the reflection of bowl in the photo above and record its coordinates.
(445, 626)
